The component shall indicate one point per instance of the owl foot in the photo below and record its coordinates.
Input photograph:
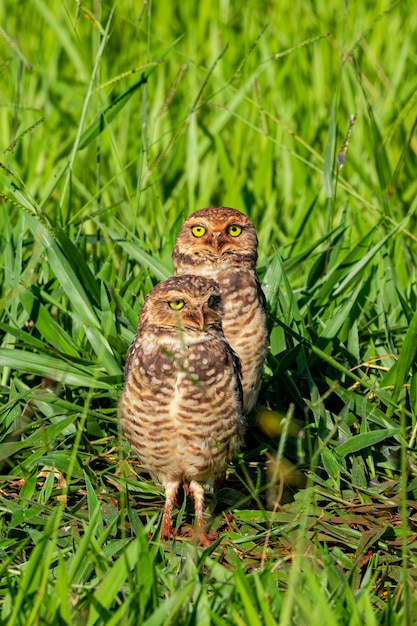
(206, 539)
(168, 534)
(167, 531)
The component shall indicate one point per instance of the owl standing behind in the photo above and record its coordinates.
(181, 406)
(221, 243)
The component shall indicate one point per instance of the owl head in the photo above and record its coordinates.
(216, 236)
(191, 303)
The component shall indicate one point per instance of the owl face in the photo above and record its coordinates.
(191, 302)
(217, 235)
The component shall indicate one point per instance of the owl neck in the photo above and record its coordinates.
(231, 281)
(208, 265)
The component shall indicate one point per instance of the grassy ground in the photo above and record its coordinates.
(116, 122)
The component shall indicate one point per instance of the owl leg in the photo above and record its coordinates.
(197, 492)
(171, 488)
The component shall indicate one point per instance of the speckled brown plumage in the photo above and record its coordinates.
(221, 243)
(181, 406)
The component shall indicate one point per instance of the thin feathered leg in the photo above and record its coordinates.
(171, 488)
(197, 492)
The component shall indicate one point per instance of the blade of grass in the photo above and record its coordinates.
(366, 440)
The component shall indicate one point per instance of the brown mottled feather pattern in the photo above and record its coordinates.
(231, 261)
(181, 407)
(182, 422)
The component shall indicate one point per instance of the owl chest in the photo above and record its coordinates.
(181, 386)
(185, 414)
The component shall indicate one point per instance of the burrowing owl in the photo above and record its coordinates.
(221, 243)
(181, 406)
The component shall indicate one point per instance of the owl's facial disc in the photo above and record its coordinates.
(218, 239)
(215, 239)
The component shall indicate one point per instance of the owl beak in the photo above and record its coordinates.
(197, 316)
(217, 240)
(200, 318)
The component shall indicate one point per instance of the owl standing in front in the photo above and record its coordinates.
(221, 243)
(181, 406)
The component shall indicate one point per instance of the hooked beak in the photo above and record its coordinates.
(217, 240)
(197, 316)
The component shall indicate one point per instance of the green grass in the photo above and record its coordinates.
(118, 120)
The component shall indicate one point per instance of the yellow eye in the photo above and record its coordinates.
(198, 231)
(176, 305)
(210, 301)
(234, 230)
